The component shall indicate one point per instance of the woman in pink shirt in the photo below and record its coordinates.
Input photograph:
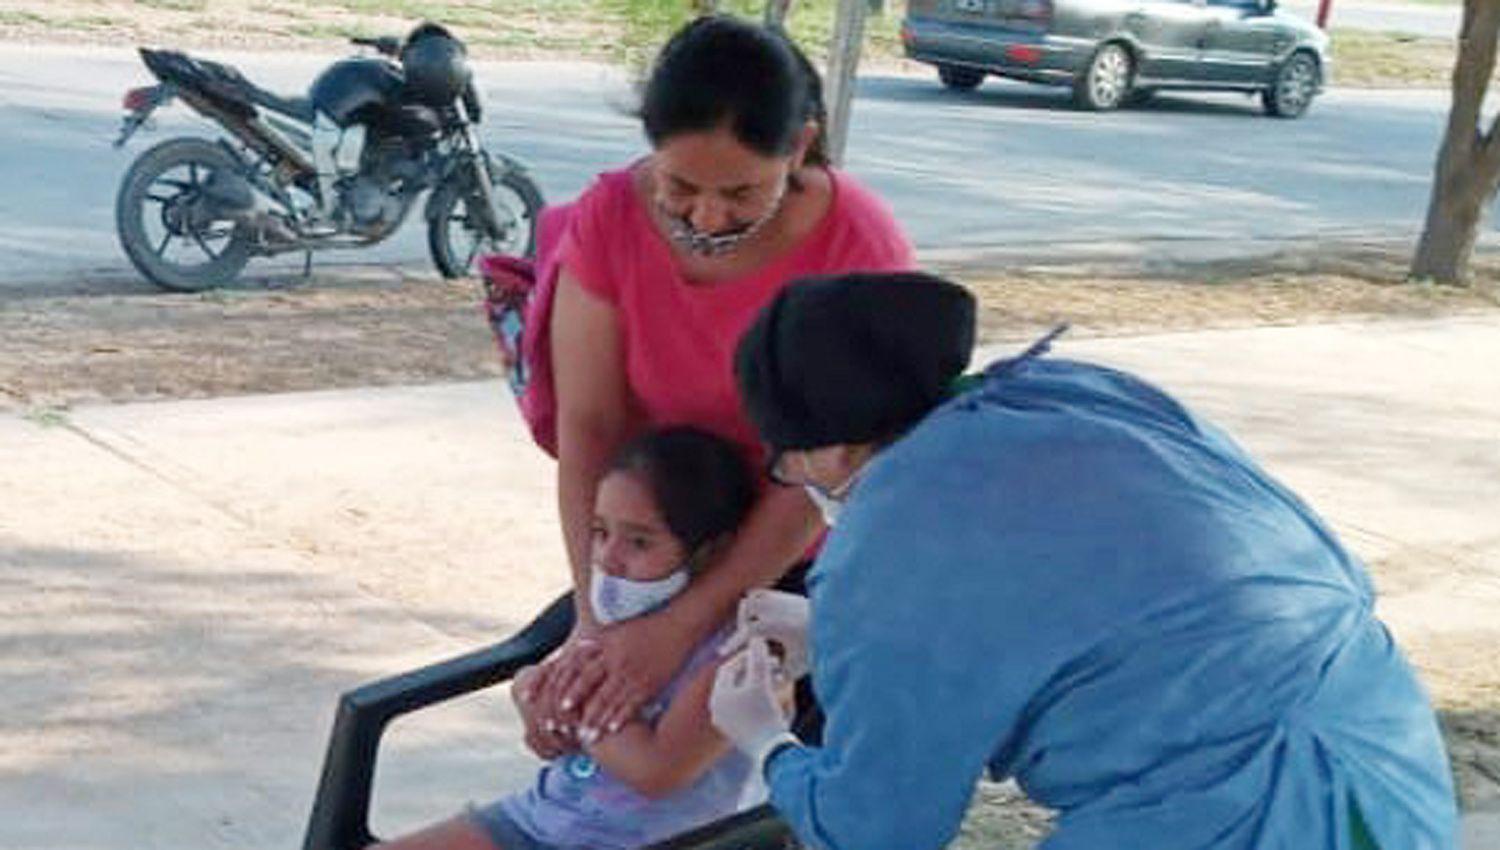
(664, 264)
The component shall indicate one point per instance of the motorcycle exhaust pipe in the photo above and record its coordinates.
(232, 197)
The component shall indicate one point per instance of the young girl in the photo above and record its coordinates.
(668, 503)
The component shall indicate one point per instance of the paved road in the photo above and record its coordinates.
(1008, 165)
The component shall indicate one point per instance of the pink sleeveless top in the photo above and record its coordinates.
(679, 337)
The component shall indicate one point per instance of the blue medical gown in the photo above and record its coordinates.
(1065, 577)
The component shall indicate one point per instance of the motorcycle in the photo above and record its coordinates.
(340, 168)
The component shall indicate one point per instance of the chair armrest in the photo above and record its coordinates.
(341, 809)
(753, 829)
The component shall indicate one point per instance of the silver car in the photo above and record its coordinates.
(1114, 51)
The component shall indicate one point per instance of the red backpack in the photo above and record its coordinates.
(518, 295)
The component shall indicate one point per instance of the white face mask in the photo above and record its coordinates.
(829, 502)
(827, 505)
(614, 598)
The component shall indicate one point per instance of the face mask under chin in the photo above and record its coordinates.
(830, 503)
(690, 239)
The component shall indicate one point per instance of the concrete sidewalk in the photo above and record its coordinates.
(185, 587)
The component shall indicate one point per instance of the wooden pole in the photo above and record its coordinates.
(843, 62)
(776, 12)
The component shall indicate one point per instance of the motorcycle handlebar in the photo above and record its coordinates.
(387, 44)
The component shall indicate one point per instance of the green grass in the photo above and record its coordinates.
(647, 23)
(175, 5)
(330, 32)
(17, 18)
(453, 14)
(47, 416)
(642, 25)
(89, 22)
(284, 9)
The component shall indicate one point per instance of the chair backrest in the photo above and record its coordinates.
(341, 810)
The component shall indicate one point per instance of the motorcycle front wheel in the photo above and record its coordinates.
(455, 235)
(166, 224)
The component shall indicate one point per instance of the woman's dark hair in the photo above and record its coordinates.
(720, 70)
(701, 483)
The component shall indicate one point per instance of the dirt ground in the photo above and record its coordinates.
(116, 341)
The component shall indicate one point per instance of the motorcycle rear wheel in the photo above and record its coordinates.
(159, 208)
(456, 238)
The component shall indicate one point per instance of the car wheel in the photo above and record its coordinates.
(960, 79)
(1292, 92)
(1106, 82)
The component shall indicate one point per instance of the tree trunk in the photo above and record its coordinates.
(1468, 166)
(1453, 219)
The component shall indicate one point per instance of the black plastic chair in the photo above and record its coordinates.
(341, 810)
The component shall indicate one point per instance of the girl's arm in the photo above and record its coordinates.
(658, 761)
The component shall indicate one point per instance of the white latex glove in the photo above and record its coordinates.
(779, 617)
(743, 704)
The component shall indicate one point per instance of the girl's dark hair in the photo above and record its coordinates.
(720, 70)
(701, 483)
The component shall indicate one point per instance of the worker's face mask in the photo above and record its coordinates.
(614, 598)
(829, 502)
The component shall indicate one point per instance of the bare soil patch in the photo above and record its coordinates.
(377, 326)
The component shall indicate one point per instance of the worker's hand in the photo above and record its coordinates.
(780, 618)
(744, 704)
(634, 661)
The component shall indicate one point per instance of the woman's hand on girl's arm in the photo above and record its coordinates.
(639, 656)
(525, 689)
(634, 661)
(571, 669)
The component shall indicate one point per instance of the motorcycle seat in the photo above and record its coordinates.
(299, 108)
(224, 83)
